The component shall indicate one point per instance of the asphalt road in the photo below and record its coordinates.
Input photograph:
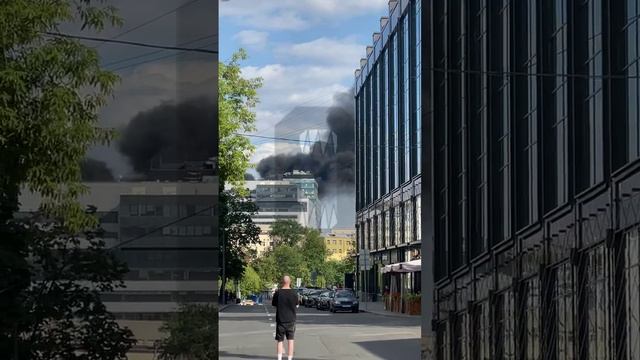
(247, 332)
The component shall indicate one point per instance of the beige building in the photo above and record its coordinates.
(340, 243)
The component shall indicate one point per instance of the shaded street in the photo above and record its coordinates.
(247, 332)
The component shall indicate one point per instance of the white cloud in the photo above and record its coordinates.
(296, 14)
(252, 39)
(325, 50)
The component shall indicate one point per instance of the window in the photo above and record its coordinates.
(589, 94)
(133, 209)
(632, 293)
(406, 98)
(408, 221)
(418, 217)
(526, 111)
(500, 110)
(417, 73)
(531, 320)
(395, 130)
(595, 314)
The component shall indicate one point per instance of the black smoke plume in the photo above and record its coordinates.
(171, 133)
(332, 167)
(95, 170)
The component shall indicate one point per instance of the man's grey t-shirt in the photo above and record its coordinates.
(285, 301)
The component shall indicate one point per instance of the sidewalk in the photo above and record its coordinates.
(377, 308)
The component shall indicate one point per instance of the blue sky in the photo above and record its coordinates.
(305, 50)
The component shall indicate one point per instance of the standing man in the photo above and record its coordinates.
(286, 301)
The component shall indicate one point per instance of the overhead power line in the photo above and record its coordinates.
(133, 43)
(158, 51)
(152, 20)
(119, 68)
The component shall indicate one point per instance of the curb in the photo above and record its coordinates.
(391, 315)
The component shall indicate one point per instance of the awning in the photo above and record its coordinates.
(403, 267)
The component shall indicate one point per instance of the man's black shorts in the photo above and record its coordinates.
(285, 329)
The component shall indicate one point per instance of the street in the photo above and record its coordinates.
(247, 332)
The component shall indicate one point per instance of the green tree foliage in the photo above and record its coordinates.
(283, 260)
(250, 282)
(237, 98)
(287, 232)
(52, 90)
(314, 250)
(239, 231)
(61, 316)
(191, 334)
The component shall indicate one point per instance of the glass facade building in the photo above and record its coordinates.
(531, 176)
(388, 142)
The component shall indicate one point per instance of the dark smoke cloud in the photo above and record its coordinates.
(248, 176)
(175, 133)
(332, 168)
(95, 170)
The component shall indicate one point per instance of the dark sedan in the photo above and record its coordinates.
(310, 299)
(323, 300)
(344, 300)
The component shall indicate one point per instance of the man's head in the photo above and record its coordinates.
(286, 282)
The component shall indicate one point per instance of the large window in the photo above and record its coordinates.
(526, 111)
(589, 93)
(461, 338)
(406, 98)
(399, 238)
(500, 110)
(375, 135)
(481, 331)
(596, 304)
(395, 130)
(418, 215)
(632, 293)
(455, 121)
(408, 221)
(556, 110)
(477, 123)
(382, 126)
(417, 149)
(562, 314)
(504, 329)
(530, 322)
(440, 141)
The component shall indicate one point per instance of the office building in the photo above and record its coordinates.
(282, 200)
(388, 142)
(532, 146)
(168, 264)
(341, 243)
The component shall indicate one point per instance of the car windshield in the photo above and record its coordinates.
(345, 293)
(326, 293)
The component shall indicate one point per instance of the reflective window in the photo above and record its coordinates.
(556, 113)
(408, 222)
(481, 332)
(382, 128)
(500, 108)
(504, 330)
(531, 320)
(632, 293)
(395, 115)
(597, 304)
(418, 217)
(406, 98)
(461, 338)
(589, 94)
(417, 150)
(526, 111)
(387, 228)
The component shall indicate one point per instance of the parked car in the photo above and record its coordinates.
(344, 300)
(312, 297)
(247, 302)
(323, 300)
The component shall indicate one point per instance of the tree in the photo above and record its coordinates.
(314, 250)
(237, 97)
(250, 282)
(61, 314)
(287, 232)
(51, 91)
(239, 231)
(283, 260)
(192, 334)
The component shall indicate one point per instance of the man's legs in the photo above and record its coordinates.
(290, 348)
(280, 349)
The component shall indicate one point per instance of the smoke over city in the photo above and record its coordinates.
(171, 133)
(333, 167)
(95, 170)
